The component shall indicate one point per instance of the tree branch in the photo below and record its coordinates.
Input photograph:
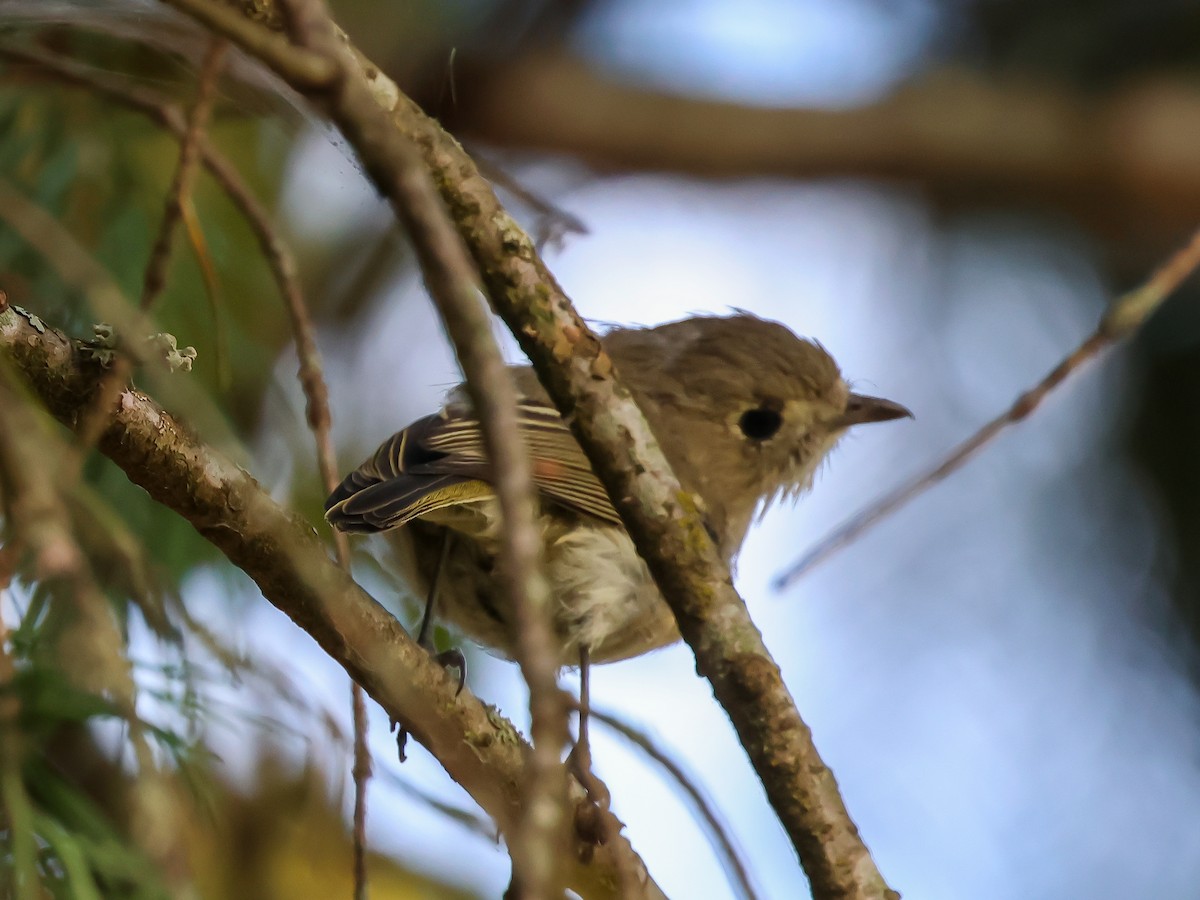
(285, 558)
(661, 517)
(1121, 161)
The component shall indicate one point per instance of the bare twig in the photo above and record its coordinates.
(1124, 316)
(279, 257)
(316, 393)
(718, 834)
(284, 557)
(155, 278)
(469, 820)
(662, 518)
(212, 287)
(301, 68)
(361, 773)
(453, 284)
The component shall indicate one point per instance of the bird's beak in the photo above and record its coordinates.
(861, 409)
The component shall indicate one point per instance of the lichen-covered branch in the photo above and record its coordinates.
(286, 559)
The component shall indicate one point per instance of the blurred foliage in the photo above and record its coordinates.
(76, 820)
(102, 171)
(287, 838)
(83, 845)
(1094, 43)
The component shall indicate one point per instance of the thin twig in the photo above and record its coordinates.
(718, 834)
(212, 289)
(471, 821)
(316, 393)
(453, 284)
(279, 258)
(158, 108)
(317, 413)
(299, 67)
(555, 222)
(1124, 316)
(155, 278)
(361, 773)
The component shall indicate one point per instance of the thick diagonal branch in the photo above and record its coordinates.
(288, 562)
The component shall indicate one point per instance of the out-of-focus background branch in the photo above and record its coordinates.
(1107, 160)
(945, 193)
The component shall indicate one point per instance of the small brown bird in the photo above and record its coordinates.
(744, 411)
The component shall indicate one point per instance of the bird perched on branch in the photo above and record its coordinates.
(744, 410)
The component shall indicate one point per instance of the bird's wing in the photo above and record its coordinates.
(439, 461)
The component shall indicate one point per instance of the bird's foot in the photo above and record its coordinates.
(447, 659)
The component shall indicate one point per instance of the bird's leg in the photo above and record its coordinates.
(431, 598)
(583, 746)
(447, 659)
(580, 759)
(452, 658)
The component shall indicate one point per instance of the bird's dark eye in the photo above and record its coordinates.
(760, 423)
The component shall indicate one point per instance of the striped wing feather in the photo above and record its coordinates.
(439, 461)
